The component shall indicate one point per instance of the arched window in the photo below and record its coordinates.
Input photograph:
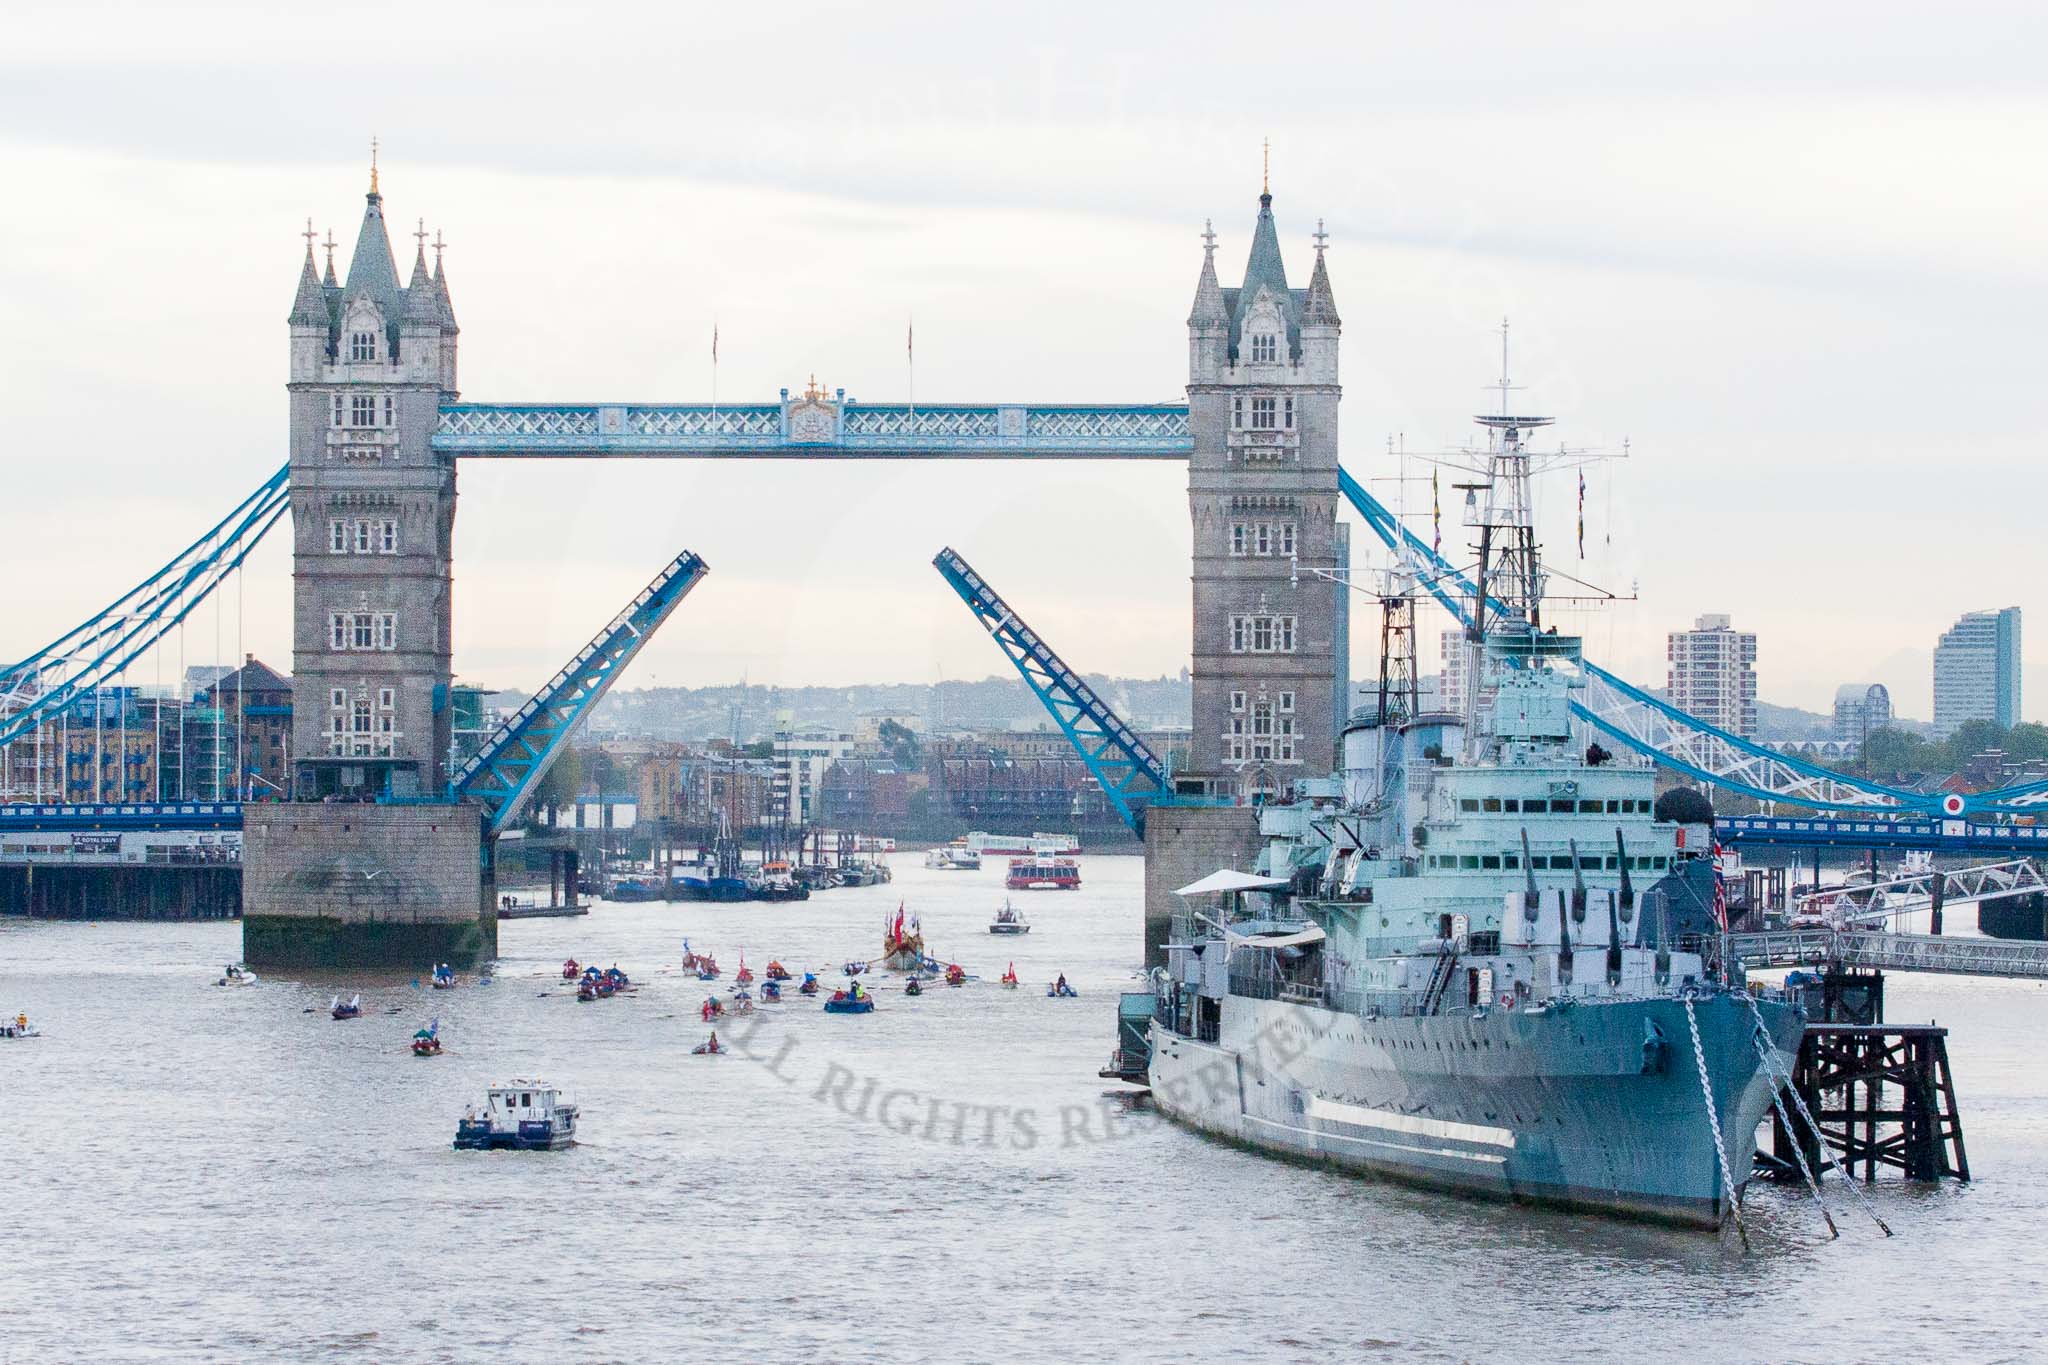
(1265, 348)
(362, 346)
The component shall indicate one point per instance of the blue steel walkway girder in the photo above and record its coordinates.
(815, 429)
(1126, 770)
(504, 773)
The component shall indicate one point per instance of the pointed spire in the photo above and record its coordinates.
(329, 280)
(1208, 310)
(441, 286)
(309, 305)
(371, 270)
(422, 296)
(1321, 308)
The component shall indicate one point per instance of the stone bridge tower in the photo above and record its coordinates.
(373, 512)
(333, 877)
(1271, 643)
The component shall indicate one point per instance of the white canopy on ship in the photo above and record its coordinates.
(1229, 880)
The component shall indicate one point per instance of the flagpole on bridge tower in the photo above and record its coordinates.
(714, 376)
(910, 363)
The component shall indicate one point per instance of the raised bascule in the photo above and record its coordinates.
(378, 426)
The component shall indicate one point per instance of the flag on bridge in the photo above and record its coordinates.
(1436, 517)
(1582, 514)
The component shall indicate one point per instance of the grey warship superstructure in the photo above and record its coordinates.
(1476, 959)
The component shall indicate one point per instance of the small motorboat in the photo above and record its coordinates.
(776, 971)
(352, 1010)
(913, 987)
(853, 1000)
(854, 968)
(771, 992)
(956, 975)
(444, 977)
(712, 1008)
(236, 975)
(19, 1027)
(1009, 920)
(571, 970)
(744, 976)
(526, 1116)
(810, 985)
(710, 1047)
(427, 1042)
(1060, 990)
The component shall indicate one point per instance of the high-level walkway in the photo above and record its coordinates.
(1875, 949)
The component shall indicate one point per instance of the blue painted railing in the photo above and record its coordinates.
(1130, 776)
(816, 428)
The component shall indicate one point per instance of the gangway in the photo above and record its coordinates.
(503, 774)
(1130, 776)
(1872, 903)
(1873, 948)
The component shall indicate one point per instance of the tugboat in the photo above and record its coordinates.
(1009, 920)
(526, 1116)
(852, 1000)
(902, 944)
(1039, 872)
(809, 986)
(236, 975)
(956, 975)
(427, 1042)
(1008, 981)
(1446, 974)
(353, 1009)
(19, 1027)
(444, 977)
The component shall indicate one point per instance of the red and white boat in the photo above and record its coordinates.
(1040, 873)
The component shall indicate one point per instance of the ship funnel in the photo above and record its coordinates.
(1578, 886)
(1529, 897)
(1628, 889)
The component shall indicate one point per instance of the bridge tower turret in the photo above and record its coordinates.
(1271, 644)
(373, 513)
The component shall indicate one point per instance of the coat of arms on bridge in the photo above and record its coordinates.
(813, 418)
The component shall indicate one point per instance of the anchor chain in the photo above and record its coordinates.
(1699, 1057)
(1798, 1152)
(1827, 1153)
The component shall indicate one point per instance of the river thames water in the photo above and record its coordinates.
(197, 1173)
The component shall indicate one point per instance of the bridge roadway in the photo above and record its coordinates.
(1884, 951)
(1868, 831)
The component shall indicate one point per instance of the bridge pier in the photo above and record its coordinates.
(366, 885)
(1185, 844)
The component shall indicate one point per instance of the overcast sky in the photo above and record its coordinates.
(1794, 259)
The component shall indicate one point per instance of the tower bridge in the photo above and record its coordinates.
(378, 425)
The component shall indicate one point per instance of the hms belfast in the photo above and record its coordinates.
(1475, 958)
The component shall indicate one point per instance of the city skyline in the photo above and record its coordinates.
(585, 265)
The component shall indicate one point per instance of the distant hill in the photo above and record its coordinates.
(1791, 723)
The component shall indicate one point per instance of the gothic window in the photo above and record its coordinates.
(362, 411)
(1237, 414)
(1263, 540)
(1286, 702)
(337, 409)
(337, 537)
(337, 630)
(1237, 700)
(362, 631)
(1283, 634)
(386, 698)
(362, 346)
(1237, 625)
(1239, 535)
(387, 630)
(1265, 348)
(1287, 414)
(387, 536)
(391, 410)
(1286, 537)
(362, 537)
(1262, 414)
(1262, 634)
(337, 698)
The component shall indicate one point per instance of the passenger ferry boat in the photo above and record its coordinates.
(528, 1116)
(1040, 873)
(1445, 972)
(952, 858)
(983, 844)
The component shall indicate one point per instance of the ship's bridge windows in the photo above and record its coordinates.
(1491, 862)
(1468, 805)
(1491, 805)
(1559, 806)
(1511, 861)
(1589, 807)
(1511, 805)
(1612, 862)
(1614, 807)
(1470, 862)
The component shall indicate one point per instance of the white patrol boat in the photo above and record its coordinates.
(526, 1115)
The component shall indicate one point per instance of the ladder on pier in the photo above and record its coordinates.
(1883, 951)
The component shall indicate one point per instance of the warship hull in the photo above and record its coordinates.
(1592, 1105)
